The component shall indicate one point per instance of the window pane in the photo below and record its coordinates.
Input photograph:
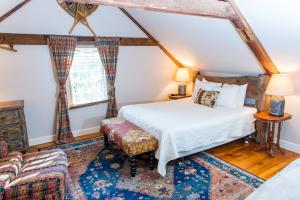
(87, 77)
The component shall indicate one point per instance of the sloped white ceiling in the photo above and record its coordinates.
(47, 17)
(6, 5)
(205, 43)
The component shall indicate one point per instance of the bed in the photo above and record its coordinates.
(183, 127)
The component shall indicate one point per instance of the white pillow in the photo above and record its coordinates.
(228, 96)
(204, 80)
(242, 93)
(204, 86)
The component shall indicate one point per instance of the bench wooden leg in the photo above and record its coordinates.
(132, 166)
(152, 157)
(105, 141)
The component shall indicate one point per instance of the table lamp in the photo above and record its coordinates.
(182, 77)
(280, 85)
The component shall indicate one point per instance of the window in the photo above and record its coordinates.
(87, 82)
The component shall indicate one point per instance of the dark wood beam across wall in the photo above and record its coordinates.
(38, 39)
(13, 10)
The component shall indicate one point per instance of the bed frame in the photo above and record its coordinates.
(256, 87)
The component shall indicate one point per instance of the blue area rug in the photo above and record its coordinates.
(104, 174)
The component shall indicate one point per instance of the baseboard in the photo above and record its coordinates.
(86, 131)
(50, 138)
(41, 140)
(290, 146)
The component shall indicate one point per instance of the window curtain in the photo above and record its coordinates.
(62, 51)
(108, 50)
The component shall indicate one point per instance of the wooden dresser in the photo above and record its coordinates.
(13, 126)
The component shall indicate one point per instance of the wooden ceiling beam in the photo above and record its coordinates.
(207, 8)
(13, 10)
(150, 36)
(224, 9)
(252, 41)
(38, 39)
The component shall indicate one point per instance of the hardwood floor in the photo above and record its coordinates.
(237, 153)
(258, 163)
(51, 144)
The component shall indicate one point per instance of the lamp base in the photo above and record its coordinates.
(182, 89)
(277, 104)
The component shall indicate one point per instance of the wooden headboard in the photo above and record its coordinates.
(256, 86)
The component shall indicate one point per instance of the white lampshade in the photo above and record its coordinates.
(280, 85)
(183, 75)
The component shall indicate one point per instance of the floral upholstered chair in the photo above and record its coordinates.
(40, 175)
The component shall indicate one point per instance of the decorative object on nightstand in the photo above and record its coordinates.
(177, 96)
(268, 123)
(279, 86)
(182, 77)
(12, 125)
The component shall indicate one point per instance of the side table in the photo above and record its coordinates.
(268, 124)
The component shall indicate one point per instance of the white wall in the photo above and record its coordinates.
(277, 25)
(144, 73)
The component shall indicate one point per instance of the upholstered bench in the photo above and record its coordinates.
(131, 139)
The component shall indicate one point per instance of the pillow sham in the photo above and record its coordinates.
(207, 98)
(204, 86)
(241, 94)
(228, 96)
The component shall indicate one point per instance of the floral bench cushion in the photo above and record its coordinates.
(42, 176)
(129, 137)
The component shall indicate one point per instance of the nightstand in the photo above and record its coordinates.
(268, 124)
(177, 96)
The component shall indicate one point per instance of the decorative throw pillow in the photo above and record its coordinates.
(204, 86)
(207, 98)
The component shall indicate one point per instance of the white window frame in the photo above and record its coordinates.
(69, 92)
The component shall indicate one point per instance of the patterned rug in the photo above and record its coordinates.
(104, 174)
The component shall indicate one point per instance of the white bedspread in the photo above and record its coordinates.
(182, 125)
(283, 186)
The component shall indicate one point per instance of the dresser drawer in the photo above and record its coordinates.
(10, 116)
(14, 137)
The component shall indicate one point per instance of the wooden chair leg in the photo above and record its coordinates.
(152, 157)
(105, 141)
(132, 165)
